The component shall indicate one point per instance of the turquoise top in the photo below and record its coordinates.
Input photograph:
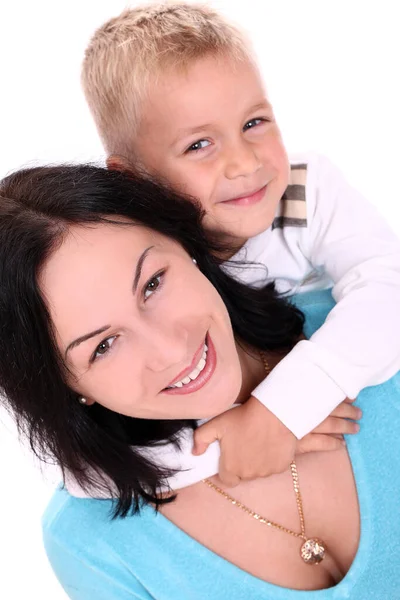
(148, 557)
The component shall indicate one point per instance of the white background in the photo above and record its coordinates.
(332, 70)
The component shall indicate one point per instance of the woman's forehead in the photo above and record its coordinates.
(95, 239)
(91, 252)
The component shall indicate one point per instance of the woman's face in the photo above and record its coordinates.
(142, 331)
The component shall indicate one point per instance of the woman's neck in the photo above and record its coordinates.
(253, 369)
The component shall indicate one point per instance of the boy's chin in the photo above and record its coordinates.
(234, 236)
(250, 229)
(234, 233)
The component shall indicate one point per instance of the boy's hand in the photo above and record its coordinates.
(255, 443)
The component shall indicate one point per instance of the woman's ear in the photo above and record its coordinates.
(85, 401)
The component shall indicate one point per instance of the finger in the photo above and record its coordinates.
(337, 425)
(227, 477)
(349, 400)
(314, 442)
(347, 411)
(204, 436)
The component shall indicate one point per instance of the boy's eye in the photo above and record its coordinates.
(253, 123)
(199, 145)
(152, 285)
(103, 348)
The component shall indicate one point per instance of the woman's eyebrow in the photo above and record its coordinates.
(87, 336)
(139, 266)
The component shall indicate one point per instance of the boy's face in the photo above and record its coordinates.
(210, 131)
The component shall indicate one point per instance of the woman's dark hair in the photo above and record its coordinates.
(95, 445)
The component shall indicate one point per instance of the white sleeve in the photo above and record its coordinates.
(359, 343)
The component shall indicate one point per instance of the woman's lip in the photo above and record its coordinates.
(196, 359)
(248, 199)
(203, 378)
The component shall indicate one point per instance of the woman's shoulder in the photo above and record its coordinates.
(92, 554)
(63, 507)
(315, 306)
(72, 519)
(86, 528)
(71, 525)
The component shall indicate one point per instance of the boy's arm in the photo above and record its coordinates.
(254, 443)
(359, 343)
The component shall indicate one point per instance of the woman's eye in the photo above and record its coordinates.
(152, 286)
(198, 146)
(253, 123)
(103, 347)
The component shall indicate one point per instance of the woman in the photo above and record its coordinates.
(110, 301)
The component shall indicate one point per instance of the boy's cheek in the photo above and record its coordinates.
(191, 180)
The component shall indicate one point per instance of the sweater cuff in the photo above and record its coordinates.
(299, 391)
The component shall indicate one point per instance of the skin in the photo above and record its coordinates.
(152, 334)
(330, 509)
(211, 132)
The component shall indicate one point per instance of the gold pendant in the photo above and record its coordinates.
(313, 551)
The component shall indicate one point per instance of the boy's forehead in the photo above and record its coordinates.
(195, 97)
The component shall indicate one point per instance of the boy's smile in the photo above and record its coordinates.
(248, 198)
(210, 131)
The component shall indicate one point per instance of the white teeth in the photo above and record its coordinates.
(195, 373)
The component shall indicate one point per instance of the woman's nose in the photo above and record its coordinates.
(241, 160)
(166, 348)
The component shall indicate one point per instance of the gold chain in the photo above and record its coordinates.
(261, 519)
(312, 550)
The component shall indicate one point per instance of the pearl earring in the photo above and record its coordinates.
(82, 400)
(194, 260)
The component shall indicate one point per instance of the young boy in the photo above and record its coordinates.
(175, 90)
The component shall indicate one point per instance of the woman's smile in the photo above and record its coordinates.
(199, 373)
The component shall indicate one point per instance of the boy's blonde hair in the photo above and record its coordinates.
(132, 50)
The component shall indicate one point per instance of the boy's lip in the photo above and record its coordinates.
(247, 198)
(203, 378)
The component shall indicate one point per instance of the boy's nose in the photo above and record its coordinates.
(241, 161)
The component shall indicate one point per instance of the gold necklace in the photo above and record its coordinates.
(312, 550)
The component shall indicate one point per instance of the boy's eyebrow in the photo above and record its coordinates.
(87, 336)
(199, 128)
(259, 105)
(190, 131)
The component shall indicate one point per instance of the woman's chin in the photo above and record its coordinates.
(216, 408)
